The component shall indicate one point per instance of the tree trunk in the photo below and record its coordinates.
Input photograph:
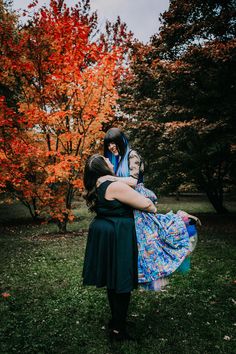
(177, 194)
(62, 225)
(35, 213)
(31, 208)
(217, 202)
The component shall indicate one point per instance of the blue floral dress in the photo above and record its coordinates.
(164, 243)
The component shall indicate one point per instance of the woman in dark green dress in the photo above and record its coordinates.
(111, 251)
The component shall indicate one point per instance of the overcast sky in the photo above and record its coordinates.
(141, 16)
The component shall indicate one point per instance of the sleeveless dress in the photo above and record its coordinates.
(111, 255)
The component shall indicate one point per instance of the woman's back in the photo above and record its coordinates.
(111, 252)
(105, 207)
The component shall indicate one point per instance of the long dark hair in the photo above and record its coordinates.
(95, 167)
(116, 136)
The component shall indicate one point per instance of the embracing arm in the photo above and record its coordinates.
(130, 181)
(125, 194)
(135, 165)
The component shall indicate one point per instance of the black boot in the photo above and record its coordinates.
(118, 323)
(119, 336)
(111, 299)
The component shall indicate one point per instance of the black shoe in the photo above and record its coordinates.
(110, 324)
(119, 336)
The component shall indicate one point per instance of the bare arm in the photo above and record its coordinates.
(134, 169)
(125, 194)
(130, 181)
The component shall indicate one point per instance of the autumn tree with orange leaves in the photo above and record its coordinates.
(67, 75)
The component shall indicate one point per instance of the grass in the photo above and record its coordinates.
(18, 214)
(49, 311)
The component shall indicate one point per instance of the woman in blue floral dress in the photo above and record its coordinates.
(165, 241)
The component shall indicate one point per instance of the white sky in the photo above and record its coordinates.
(141, 16)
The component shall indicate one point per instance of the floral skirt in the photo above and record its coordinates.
(165, 242)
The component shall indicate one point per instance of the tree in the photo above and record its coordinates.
(9, 87)
(67, 77)
(185, 78)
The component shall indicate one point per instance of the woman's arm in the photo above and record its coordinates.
(134, 169)
(130, 181)
(125, 194)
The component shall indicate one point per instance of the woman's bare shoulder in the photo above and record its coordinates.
(116, 190)
(118, 186)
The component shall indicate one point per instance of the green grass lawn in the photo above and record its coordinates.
(18, 214)
(49, 311)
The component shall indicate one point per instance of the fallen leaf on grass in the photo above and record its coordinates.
(227, 338)
(6, 295)
(134, 315)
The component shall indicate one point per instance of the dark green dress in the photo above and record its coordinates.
(111, 251)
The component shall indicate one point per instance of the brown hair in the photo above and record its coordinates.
(95, 167)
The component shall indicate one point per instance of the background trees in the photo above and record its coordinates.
(66, 74)
(186, 77)
(58, 85)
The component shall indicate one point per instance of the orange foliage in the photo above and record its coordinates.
(68, 93)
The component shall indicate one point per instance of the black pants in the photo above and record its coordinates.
(119, 303)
